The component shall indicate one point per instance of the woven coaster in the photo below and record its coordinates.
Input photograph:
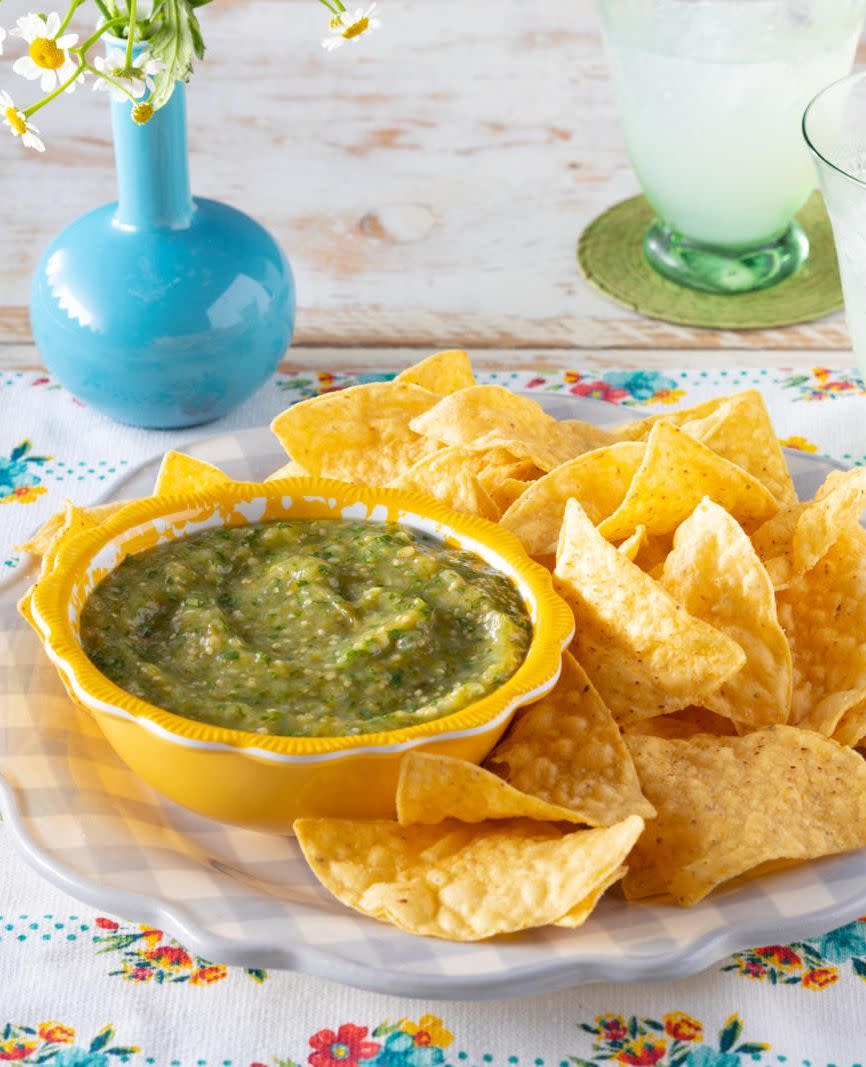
(610, 254)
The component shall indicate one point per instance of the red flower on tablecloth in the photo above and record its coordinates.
(644, 1052)
(171, 956)
(613, 1027)
(782, 956)
(147, 955)
(599, 390)
(17, 1048)
(346, 1048)
(56, 1033)
(683, 1027)
(208, 975)
(820, 978)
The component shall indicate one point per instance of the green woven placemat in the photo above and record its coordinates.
(611, 257)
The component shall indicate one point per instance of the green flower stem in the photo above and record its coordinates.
(53, 96)
(113, 81)
(106, 14)
(94, 37)
(336, 8)
(73, 7)
(130, 37)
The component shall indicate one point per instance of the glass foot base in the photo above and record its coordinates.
(720, 270)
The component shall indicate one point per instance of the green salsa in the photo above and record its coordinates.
(308, 627)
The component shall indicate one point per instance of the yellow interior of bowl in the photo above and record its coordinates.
(56, 602)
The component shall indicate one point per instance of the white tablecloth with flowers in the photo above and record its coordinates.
(84, 989)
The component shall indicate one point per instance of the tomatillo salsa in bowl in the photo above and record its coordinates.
(264, 651)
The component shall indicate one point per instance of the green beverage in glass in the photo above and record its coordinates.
(711, 94)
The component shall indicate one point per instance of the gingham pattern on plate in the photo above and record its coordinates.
(94, 829)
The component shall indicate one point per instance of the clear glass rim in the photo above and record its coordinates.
(853, 77)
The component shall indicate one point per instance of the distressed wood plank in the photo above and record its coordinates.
(357, 360)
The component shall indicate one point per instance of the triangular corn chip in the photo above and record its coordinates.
(566, 750)
(179, 473)
(451, 476)
(434, 788)
(683, 724)
(288, 470)
(441, 373)
(823, 614)
(631, 546)
(639, 429)
(740, 430)
(795, 539)
(598, 480)
(489, 416)
(715, 574)
(582, 911)
(63, 521)
(644, 653)
(464, 881)
(676, 473)
(360, 434)
(729, 804)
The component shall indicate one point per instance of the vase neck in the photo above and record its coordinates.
(152, 166)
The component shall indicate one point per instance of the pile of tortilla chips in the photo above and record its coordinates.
(707, 720)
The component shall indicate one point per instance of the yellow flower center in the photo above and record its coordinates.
(142, 113)
(45, 53)
(357, 28)
(19, 126)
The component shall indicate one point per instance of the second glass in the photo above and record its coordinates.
(711, 93)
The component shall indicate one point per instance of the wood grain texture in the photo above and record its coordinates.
(380, 357)
(428, 184)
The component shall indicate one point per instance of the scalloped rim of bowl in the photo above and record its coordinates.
(46, 607)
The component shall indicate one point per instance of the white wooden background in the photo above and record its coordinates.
(428, 184)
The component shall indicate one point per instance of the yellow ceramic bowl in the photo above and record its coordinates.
(264, 781)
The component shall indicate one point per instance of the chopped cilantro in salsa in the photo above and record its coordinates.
(308, 627)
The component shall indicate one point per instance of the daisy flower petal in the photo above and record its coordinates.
(2, 39)
(17, 123)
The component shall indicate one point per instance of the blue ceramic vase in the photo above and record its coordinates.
(161, 310)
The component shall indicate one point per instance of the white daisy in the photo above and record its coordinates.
(48, 58)
(18, 124)
(138, 80)
(349, 26)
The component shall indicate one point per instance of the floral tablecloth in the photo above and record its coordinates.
(84, 989)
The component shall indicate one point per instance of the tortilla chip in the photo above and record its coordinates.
(740, 430)
(449, 475)
(360, 434)
(677, 472)
(639, 430)
(489, 416)
(632, 545)
(715, 574)
(582, 911)
(179, 473)
(598, 480)
(795, 539)
(288, 470)
(823, 614)
(841, 716)
(684, 724)
(567, 751)
(507, 492)
(644, 653)
(463, 882)
(434, 788)
(729, 804)
(441, 373)
(61, 521)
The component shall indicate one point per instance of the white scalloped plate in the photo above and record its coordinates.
(92, 828)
